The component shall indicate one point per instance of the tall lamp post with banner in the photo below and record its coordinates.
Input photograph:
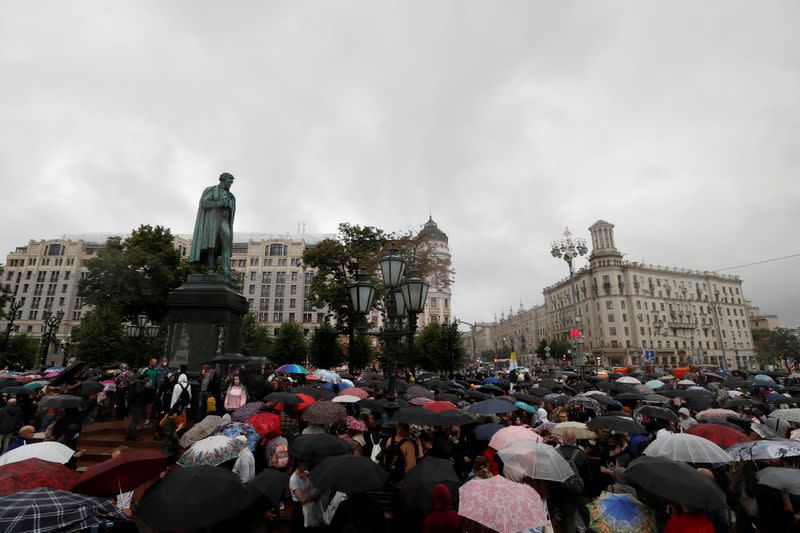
(569, 249)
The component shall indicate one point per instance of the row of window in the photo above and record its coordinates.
(445, 303)
(46, 261)
(41, 276)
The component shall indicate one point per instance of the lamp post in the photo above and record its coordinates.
(13, 310)
(49, 331)
(569, 250)
(472, 327)
(142, 328)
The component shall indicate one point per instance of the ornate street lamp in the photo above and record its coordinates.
(415, 292)
(13, 310)
(392, 268)
(361, 293)
(570, 249)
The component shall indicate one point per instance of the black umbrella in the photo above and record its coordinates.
(285, 398)
(269, 483)
(68, 373)
(604, 386)
(490, 389)
(620, 424)
(628, 396)
(313, 449)
(415, 415)
(547, 383)
(64, 401)
(736, 383)
(455, 417)
(658, 412)
(738, 403)
(420, 480)
(372, 405)
(527, 398)
(400, 386)
(539, 391)
(369, 384)
(350, 474)
(484, 432)
(197, 497)
(491, 407)
(447, 397)
(477, 395)
(230, 358)
(90, 387)
(605, 400)
(314, 392)
(676, 482)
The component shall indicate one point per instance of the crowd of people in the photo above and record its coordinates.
(641, 450)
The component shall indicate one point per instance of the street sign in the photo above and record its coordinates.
(649, 355)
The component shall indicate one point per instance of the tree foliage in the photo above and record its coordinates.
(325, 350)
(360, 352)
(100, 336)
(440, 348)
(23, 350)
(289, 344)
(336, 263)
(256, 338)
(772, 346)
(558, 350)
(135, 275)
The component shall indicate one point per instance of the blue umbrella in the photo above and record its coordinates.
(525, 407)
(491, 407)
(491, 379)
(485, 431)
(655, 384)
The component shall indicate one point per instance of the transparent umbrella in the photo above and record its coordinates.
(687, 448)
(536, 460)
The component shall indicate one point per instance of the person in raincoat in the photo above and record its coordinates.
(443, 519)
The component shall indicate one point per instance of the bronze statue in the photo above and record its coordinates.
(213, 229)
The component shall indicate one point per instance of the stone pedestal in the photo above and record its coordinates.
(205, 320)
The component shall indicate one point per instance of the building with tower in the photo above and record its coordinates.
(625, 308)
(439, 305)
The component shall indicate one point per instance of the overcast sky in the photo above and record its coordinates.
(677, 121)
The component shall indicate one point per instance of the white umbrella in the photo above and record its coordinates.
(792, 415)
(688, 382)
(687, 448)
(346, 398)
(629, 380)
(536, 460)
(55, 452)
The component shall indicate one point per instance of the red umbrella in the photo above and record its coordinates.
(35, 473)
(307, 400)
(723, 436)
(438, 407)
(266, 424)
(122, 473)
(355, 391)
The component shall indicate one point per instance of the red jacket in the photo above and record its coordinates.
(443, 519)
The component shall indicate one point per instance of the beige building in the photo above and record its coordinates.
(624, 308)
(759, 320)
(439, 303)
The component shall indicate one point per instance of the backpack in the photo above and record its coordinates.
(574, 483)
(280, 457)
(394, 461)
(184, 399)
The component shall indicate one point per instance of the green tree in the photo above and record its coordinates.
(440, 348)
(100, 337)
(558, 349)
(22, 349)
(325, 350)
(336, 263)
(773, 346)
(135, 275)
(360, 352)
(289, 344)
(256, 339)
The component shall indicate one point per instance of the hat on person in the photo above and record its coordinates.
(684, 411)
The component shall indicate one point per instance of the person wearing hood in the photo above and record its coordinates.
(685, 418)
(443, 518)
(182, 393)
(245, 465)
(10, 422)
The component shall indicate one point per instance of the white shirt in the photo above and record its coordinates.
(245, 465)
(662, 432)
(296, 482)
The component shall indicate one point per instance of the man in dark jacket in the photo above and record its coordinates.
(143, 395)
(568, 504)
(10, 422)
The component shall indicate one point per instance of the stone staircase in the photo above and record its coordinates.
(99, 439)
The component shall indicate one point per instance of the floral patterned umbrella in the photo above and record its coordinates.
(716, 414)
(361, 394)
(328, 376)
(355, 424)
(792, 415)
(234, 429)
(418, 391)
(324, 412)
(578, 428)
(34, 473)
(501, 505)
(614, 513)
(246, 411)
(212, 451)
(762, 450)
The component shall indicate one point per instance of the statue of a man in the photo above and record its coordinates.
(213, 229)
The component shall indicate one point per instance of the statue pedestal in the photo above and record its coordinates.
(205, 316)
